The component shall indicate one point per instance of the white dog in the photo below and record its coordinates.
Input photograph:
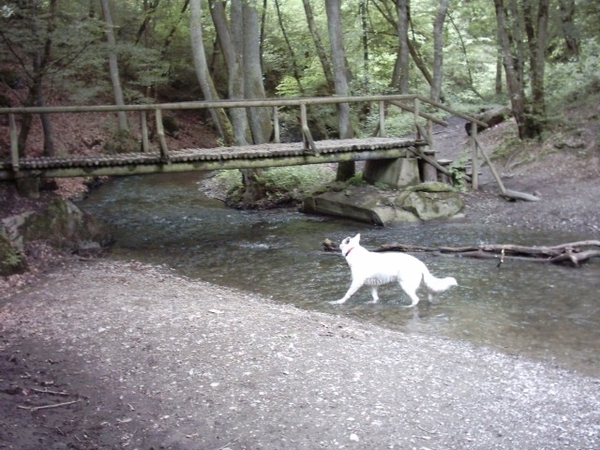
(374, 269)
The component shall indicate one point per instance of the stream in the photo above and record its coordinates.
(546, 312)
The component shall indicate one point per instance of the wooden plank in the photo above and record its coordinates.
(151, 163)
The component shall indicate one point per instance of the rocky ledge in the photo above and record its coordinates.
(366, 203)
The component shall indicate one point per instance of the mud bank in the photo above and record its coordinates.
(104, 354)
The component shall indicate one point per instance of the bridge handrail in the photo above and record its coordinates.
(402, 101)
(205, 104)
(246, 103)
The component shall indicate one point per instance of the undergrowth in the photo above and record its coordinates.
(282, 185)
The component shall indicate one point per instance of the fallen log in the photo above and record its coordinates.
(490, 117)
(571, 252)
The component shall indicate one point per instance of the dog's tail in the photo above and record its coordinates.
(438, 284)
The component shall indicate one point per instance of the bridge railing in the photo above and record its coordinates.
(412, 103)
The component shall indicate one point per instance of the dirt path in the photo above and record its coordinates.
(567, 181)
(116, 355)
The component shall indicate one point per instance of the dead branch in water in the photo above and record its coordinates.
(572, 252)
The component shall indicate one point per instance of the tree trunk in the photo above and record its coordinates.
(515, 23)
(235, 75)
(498, 80)
(491, 117)
(365, 44)
(572, 252)
(39, 92)
(321, 52)
(467, 62)
(113, 65)
(259, 118)
(569, 29)
(173, 30)
(290, 49)
(402, 62)
(346, 170)
(536, 28)
(438, 44)
(218, 115)
(512, 69)
(35, 96)
(391, 17)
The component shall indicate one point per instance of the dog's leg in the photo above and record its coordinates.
(374, 294)
(410, 287)
(355, 286)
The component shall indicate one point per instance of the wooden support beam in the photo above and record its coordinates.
(474, 159)
(276, 137)
(307, 139)
(381, 132)
(144, 126)
(433, 162)
(14, 142)
(423, 114)
(160, 131)
(505, 192)
(417, 106)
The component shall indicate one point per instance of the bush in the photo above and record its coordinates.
(282, 185)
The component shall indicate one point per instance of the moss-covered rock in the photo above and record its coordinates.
(64, 225)
(61, 224)
(431, 205)
(366, 203)
(431, 186)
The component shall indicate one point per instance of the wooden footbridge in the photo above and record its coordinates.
(16, 166)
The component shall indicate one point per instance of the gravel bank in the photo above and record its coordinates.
(151, 360)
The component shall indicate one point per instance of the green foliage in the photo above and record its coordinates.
(229, 180)
(571, 81)
(155, 59)
(297, 178)
(356, 180)
(281, 184)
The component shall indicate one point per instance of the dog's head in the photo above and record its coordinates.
(349, 243)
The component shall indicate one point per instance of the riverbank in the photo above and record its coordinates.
(124, 355)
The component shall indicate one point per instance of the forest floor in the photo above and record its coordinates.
(100, 354)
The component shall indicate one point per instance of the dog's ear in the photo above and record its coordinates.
(357, 238)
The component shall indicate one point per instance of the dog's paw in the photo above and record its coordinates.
(337, 302)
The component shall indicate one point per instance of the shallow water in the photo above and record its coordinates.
(542, 311)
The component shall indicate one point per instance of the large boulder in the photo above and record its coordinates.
(429, 201)
(61, 224)
(65, 226)
(366, 203)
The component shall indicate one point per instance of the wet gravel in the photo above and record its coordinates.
(124, 355)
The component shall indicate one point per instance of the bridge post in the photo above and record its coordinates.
(144, 125)
(381, 119)
(474, 160)
(396, 173)
(14, 142)
(160, 131)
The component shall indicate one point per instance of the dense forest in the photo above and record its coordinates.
(529, 54)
